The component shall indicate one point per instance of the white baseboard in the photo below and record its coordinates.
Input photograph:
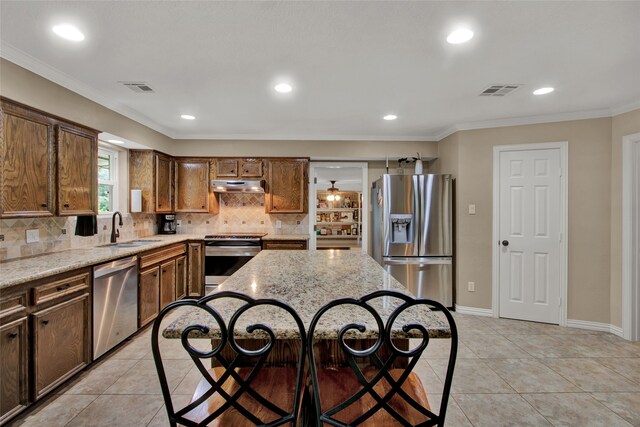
(595, 326)
(487, 312)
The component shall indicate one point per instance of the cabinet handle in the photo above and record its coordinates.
(12, 335)
(66, 205)
(202, 206)
(62, 288)
(44, 205)
(164, 271)
(155, 274)
(45, 322)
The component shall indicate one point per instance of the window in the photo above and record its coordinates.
(107, 181)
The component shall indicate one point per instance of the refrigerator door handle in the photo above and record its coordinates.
(417, 261)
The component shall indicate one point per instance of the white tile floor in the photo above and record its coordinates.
(508, 373)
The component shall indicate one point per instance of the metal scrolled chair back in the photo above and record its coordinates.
(379, 383)
(197, 412)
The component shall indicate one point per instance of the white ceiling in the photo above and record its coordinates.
(350, 63)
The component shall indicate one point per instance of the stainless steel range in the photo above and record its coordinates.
(224, 254)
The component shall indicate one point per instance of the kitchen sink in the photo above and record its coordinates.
(131, 244)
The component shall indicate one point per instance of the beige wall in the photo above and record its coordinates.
(623, 124)
(589, 209)
(23, 86)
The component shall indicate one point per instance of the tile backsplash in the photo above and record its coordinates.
(58, 233)
(242, 212)
(238, 212)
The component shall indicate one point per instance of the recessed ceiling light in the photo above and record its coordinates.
(461, 35)
(69, 32)
(115, 141)
(390, 117)
(543, 91)
(283, 88)
(188, 117)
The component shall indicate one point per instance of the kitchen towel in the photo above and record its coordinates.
(86, 225)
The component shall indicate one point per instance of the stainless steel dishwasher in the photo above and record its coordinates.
(115, 303)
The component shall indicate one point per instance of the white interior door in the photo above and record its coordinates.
(530, 227)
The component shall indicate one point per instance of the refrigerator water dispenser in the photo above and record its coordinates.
(401, 228)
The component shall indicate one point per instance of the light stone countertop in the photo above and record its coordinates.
(307, 280)
(22, 270)
(286, 237)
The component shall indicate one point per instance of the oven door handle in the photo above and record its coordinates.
(230, 251)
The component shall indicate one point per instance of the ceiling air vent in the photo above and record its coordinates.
(138, 87)
(500, 90)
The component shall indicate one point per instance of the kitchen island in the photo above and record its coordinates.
(307, 280)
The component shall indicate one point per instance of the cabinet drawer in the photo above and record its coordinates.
(12, 306)
(161, 255)
(60, 288)
(285, 244)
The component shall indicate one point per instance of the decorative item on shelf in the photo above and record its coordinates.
(333, 192)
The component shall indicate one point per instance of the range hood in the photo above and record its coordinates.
(237, 186)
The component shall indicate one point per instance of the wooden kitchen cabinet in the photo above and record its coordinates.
(239, 168)
(148, 295)
(164, 166)
(27, 162)
(284, 244)
(192, 185)
(181, 277)
(61, 342)
(167, 283)
(195, 269)
(287, 186)
(77, 169)
(14, 374)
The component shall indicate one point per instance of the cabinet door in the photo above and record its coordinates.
(251, 168)
(27, 163)
(284, 244)
(192, 186)
(167, 283)
(287, 186)
(227, 168)
(148, 295)
(61, 343)
(195, 274)
(164, 184)
(14, 376)
(141, 173)
(77, 172)
(181, 277)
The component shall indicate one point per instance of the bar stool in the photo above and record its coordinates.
(242, 390)
(379, 387)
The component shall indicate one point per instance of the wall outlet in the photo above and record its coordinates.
(33, 235)
(472, 209)
(278, 224)
(471, 286)
(179, 223)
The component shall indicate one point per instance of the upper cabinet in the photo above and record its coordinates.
(239, 168)
(27, 175)
(77, 171)
(192, 185)
(287, 186)
(30, 168)
(164, 183)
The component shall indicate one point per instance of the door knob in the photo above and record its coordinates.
(505, 243)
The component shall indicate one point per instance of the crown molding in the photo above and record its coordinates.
(616, 111)
(24, 60)
(353, 138)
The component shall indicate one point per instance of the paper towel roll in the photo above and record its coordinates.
(136, 200)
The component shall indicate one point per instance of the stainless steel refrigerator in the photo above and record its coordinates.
(413, 232)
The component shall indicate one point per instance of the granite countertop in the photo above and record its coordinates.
(22, 270)
(307, 280)
(286, 237)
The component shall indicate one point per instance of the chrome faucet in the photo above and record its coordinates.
(115, 233)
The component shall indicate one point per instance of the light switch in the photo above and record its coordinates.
(278, 224)
(471, 286)
(33, 235)
(178, 223)
(472, 209)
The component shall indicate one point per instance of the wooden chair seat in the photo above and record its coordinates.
(337, 385)
(276, 384)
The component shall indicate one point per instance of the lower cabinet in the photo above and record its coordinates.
(284, 244)
(148, 295)
(195, 270)
(14, 374)
(61, 338)
(181, 277)
(167, 282)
